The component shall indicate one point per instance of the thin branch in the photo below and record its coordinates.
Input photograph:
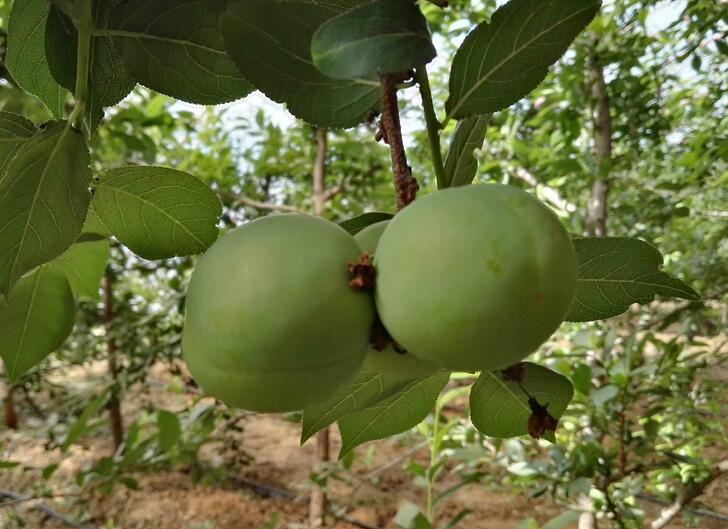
(266, 206)
(270, 491)
(687, 494)
(40, 507)
(405, 186)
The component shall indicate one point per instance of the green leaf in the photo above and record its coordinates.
(109, 81)
(78, 428)
(26, 55)
(43, 200)
(615, 272)
(501, 61)
(562, 520)
(499, 407)
(169, 430)
(399, 412)
(461, 164)
(368, 389)
(157, 212)
(355, 225)
(409, 516)
(270, 41)
(175, 47)
(35, 320)
(84, 264)
(380, 37)
(581, 377)
(604, 394)
(14, 132)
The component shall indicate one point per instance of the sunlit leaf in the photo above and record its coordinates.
(157, 212)
(499, 407)
(401, 411)
(502, 60)
(35, 320)
(43, 200)
(615, 272)
(26, 54)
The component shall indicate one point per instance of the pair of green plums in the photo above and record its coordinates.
(467, 279)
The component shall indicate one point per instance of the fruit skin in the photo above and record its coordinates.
(272, 324)
(368, 238)
(474, 278)
(389, 361)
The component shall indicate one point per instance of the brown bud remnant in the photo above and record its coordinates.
(362, 274)
(515, 373)
(540, 422)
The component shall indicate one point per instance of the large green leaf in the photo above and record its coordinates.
(380, 37)
(270, 42)
(500, 408)
(43, 200)
(356, 224)
(615, 272)
(26, 55)
(157, 212)
(109, 81)
(368, 389)
(175, 47)
(401, 411)
(14, 132)
(501, 61)
(461, 164)
(35, 320)
(84, 264)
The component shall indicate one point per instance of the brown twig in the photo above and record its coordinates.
(270, 491)
(405, 186)
(265, 206)
(687, 494)
(40, 507)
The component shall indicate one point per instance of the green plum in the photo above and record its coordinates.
(474, 278)
(272, 324)
(389, 361)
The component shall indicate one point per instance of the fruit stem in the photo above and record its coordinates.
(433, 126)
(84, 24)
(405, 186)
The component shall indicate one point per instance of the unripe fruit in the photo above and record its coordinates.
(474, 278)
(272, 324)
(389, 361)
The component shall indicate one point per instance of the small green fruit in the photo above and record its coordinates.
(474, 278)
(272, 324)
(368, 238)
(389, 361)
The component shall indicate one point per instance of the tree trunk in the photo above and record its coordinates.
(317, 503)
(596, 218)
(11, 415)
(116, 421)
(597, 212)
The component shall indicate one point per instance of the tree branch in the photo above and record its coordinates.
(597, 211)
(40, 507)
(405, 186)
(687, 494)
(240, 200)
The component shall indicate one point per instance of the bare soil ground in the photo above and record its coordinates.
(171, 499)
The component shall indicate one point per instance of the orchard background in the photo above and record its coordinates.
(625, 139)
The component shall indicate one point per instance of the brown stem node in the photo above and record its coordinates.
(362, 274)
